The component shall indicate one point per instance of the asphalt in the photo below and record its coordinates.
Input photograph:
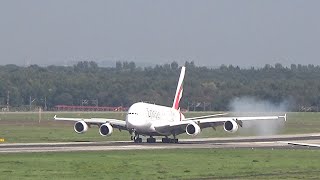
(266, 142)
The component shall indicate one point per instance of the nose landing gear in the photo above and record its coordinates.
(135, 137)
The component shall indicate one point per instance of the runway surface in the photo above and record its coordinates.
(271, 142)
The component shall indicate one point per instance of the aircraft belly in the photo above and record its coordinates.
(150, 131)
(164, 131)
(145, 130)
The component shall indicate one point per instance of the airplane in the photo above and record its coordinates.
(145, 119)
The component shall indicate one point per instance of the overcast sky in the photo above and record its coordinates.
(208, 32)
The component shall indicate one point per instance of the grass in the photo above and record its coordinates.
(151, 164)
(164, 164)
(25, 127)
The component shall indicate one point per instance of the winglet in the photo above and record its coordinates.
(284, 117)
(55, 116)
(179, 90)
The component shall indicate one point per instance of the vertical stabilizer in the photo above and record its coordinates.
(179, 90)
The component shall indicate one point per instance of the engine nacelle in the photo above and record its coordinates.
(193, 129)
(230, 126)
(80, 127)
(105, 129)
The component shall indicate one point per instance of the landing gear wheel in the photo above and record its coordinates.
(138, 140)
(151, 140)
(166, 140)
(174, 140)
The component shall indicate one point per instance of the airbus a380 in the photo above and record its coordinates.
(144, 119)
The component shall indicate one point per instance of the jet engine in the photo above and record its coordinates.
(80, 127)
(193, 129)
(105, 129)
(230, 126)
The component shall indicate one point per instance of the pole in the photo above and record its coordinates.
(30, 103)
(45, 103)
(8, 100)
(40, 114)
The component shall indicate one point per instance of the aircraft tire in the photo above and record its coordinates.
(174, 140)
(138, 140)
(166, 140)
(151, 140)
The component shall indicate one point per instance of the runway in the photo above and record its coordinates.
(269, 142)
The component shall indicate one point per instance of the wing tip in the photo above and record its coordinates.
(284, 117)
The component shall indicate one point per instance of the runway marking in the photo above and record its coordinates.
(280, 141)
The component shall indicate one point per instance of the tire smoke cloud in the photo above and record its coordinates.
(250, 106)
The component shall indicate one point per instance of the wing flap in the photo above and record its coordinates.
(254, 118)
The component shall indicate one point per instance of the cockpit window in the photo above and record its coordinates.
(133, 113)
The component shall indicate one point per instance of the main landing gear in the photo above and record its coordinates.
(169, 140)
(138, 140)
(151, 140)
(135, 137)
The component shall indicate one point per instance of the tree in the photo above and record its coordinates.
(174, 65)
(124, 84)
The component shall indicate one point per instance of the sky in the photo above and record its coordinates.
(209, 32)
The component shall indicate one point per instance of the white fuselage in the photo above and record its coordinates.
(142, 117)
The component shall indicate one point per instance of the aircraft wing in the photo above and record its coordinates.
(253, 118)
(115, 123)
(179, 126)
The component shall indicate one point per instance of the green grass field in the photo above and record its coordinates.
(151, 164)
(25, 127)
(164, 164)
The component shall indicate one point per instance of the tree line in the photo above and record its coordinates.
(124, 84)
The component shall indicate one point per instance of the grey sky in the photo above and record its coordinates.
(239, 32)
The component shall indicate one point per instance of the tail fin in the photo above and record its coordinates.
(179, 90)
